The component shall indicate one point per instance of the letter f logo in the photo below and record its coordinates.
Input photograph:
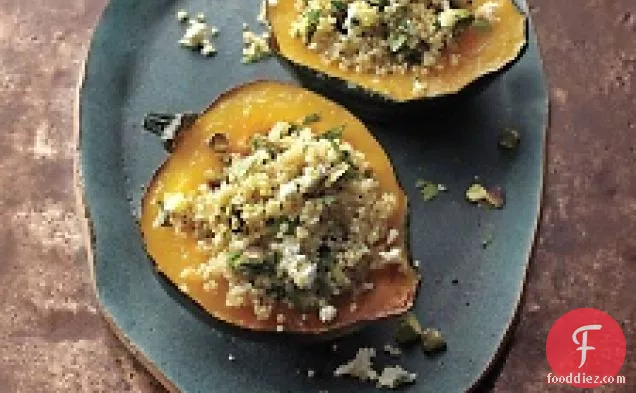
(583, 344)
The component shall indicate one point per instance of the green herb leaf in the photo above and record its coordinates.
(313, 16)
(311, 118)
(234, 258)
(338, 5)
(333, 133)
(397, 41)
(509, 139)
(409, 330)
(428, 189)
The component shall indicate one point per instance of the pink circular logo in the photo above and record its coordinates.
(585, 348)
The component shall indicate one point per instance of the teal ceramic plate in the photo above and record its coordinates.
(471, 293)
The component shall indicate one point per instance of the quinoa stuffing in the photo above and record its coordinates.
(387, 36)
(299, 219)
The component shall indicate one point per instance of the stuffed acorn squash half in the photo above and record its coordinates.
(396, 50)
(278, 211)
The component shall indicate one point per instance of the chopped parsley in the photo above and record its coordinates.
(333, 133)
(234, 258)
(311, 118)
(428, 189)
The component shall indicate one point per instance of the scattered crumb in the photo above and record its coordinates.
(198, 34)
(231, 357)
(433, 341)
(311, 373)
(184, 288)
(488, 239)
(494, 197)
(360, 367)
(416, 263)
(256, 46)
(394, 376)
(280, 328)
(509, 139)
(182, 15)
(334, 347)
(392, 350)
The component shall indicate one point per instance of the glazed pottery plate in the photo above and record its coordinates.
(473, 259)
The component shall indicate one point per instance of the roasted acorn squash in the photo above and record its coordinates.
(241, 113)
(482, 51)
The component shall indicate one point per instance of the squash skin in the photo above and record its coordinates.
(392, 96)
(394, 291)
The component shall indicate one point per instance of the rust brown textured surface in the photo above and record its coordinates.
(52, 338)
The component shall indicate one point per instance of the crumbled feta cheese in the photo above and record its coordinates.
(256, 47)
(236, 295)
(327, 313)
(394, 376)
(360, 367)
(263, 311)
(392, 236)
(450, 17)
(208, 49)
(361, 13)
(174, 202)
(195, 35)
(182, 15)
(262, 13)
(488, 11)
(394, 255)
(198, 34)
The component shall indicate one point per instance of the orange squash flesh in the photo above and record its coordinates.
(482, 52)
(240, 113)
